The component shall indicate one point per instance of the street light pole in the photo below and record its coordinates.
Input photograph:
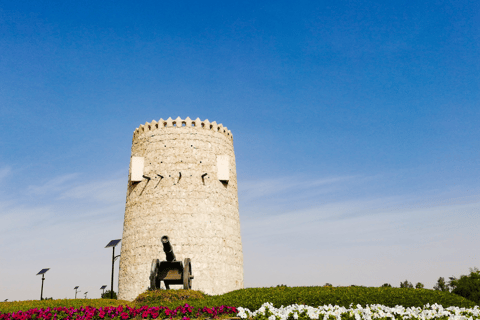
(113, 244)
(41, 292)
(42, 272)
(103, 288)
(113, 270)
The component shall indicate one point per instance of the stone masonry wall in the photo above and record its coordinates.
(199, 214)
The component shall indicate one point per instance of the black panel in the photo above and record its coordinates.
(113, 243)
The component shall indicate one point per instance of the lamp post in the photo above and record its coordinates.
(42, 272)
(85, 294)
(113, 244)
(103, 288)
(76, 288)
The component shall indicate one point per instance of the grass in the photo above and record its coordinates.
(15, 306)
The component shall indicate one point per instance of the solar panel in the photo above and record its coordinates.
(43, 271)
(76, 288)
(103, 287)
(113, 243)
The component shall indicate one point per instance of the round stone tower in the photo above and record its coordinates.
(183, 184)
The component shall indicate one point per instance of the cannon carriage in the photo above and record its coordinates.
(171, 271)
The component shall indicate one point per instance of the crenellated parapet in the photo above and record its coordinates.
(181, 123)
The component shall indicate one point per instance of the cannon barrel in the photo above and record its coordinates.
(167, 248)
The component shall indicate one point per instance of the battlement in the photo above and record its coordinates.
(180, 123)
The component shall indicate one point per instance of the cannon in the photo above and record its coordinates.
(170, 271)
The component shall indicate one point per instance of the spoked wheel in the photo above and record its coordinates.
(187, 274)
(154, 284)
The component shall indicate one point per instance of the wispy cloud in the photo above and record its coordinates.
(53, 185)
(341, 193)
(4, 172)
(339, 236)
(294, 193)
(263, 188)
(368, 237)
(63, 223)
(108, 191)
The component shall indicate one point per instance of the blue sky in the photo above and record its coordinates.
(355, 129)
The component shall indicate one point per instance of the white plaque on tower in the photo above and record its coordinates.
(137, 169)
(223, 168)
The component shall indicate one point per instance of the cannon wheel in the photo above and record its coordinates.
(153, 275)
(187, 274)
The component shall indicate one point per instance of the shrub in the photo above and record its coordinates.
(108, 295)
(163, 297)
(253, 298)
(467, 286)
(441, 285)
(419, 285)
(406, 284)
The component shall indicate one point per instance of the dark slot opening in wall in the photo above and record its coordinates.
(159, 180)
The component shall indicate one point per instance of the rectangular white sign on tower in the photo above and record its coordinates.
(223, 168)
(137, 169)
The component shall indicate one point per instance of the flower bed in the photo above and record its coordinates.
(266, 312)
(293, 312)
(118, 313)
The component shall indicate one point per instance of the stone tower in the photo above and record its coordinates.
(182, 183)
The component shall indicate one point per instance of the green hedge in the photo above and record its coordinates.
(253, 298)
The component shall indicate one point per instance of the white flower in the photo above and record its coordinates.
(428, 312)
